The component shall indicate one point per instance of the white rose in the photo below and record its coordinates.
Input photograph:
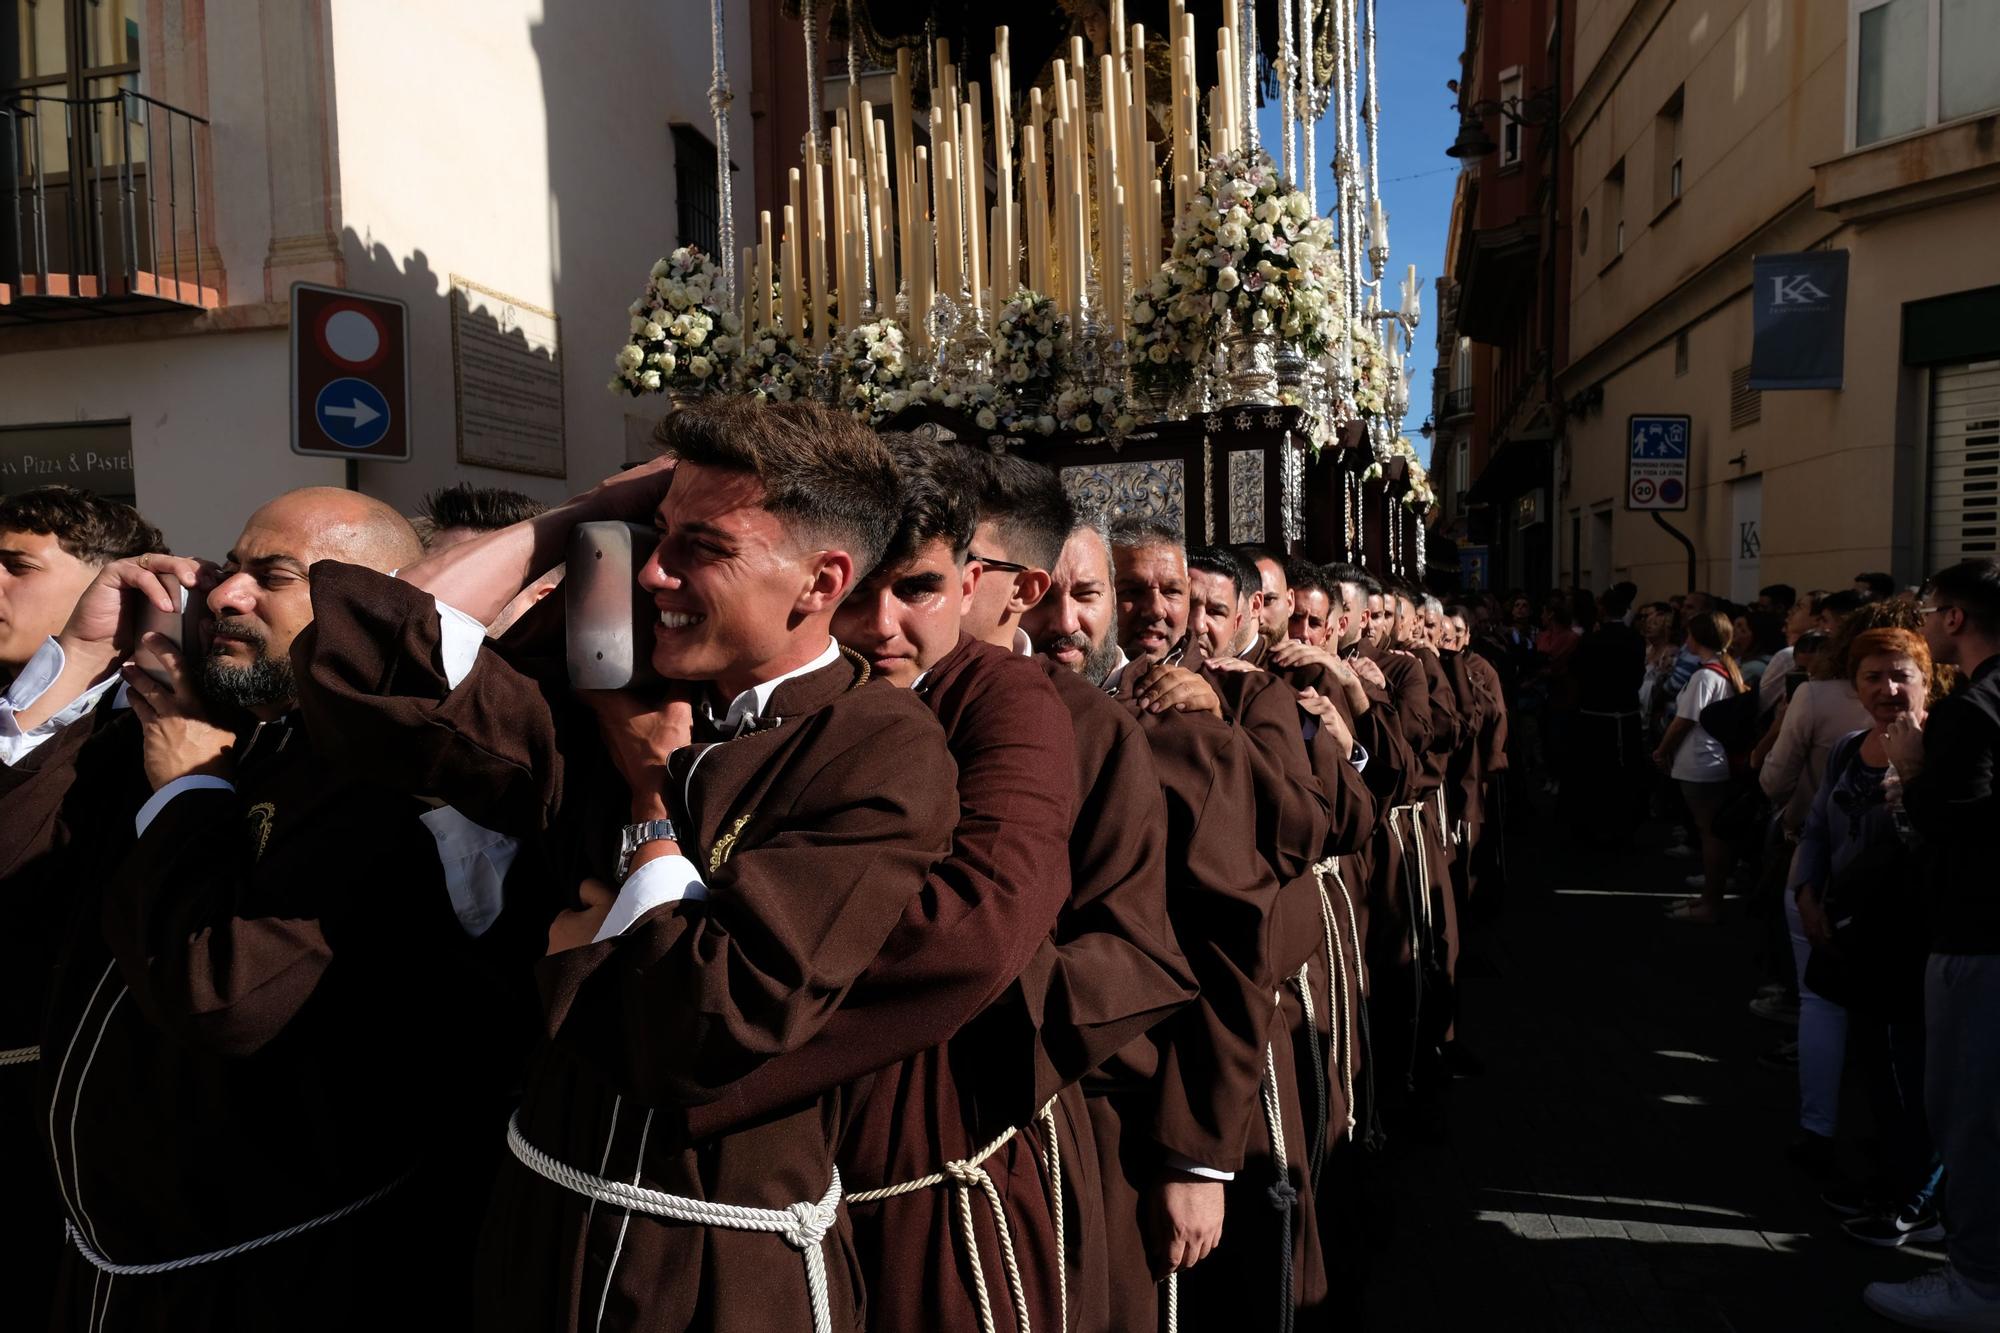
(630, 357)
(638, 324)
(1261, 233)
(1260, 319)
(768, 346)
(1045, 349)
(1226, 279)
(659, 268)
(1045, 424)
(617, 384)
(1018, 372)
(1083, 421)
(652, 332)
(667, 362)
(986, 419)
(1157, 354)
(1142, 313)
(1102, 394)
(1219, 302)
(1273, 295)
(782, 392)
(695, 334)
(650, 381)
(1267, 211)
(954, 400)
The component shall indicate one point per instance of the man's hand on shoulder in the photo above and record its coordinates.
(1176, 689)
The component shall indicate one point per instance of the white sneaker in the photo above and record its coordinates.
(1939, 1299)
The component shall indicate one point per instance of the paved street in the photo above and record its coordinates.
(1620, 1165)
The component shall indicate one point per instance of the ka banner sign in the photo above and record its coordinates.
(1798, 309)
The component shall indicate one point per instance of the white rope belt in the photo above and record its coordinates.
(1339, 987)
(803, 1225)
(1047, 1115)
(1282, 1196)
(99, 1261)
(20, 1055)
(964, 1176)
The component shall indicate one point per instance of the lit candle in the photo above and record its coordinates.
(789, 266)
(816, 252)
(843, 221)
(1378, 226)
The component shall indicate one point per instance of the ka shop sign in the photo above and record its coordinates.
(1656, 467)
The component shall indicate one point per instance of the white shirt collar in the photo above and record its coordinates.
(29, 686)
(1023, 645)
(747, 708)
(1117, 672)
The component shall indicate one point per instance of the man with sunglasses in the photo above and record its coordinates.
(1948, 768)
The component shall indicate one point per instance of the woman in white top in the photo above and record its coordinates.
(1697, 761)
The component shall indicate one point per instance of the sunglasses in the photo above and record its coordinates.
(1006, 566)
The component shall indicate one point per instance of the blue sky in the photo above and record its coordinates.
(1417, 44)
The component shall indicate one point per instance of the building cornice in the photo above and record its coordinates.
(1624, 47)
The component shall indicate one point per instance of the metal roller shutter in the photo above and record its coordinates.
(1964, 517)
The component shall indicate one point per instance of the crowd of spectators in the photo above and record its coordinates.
(1826, 760)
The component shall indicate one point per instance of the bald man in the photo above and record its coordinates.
(271, 1061)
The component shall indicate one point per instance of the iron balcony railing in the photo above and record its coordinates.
(103, 199)
(1458, 403)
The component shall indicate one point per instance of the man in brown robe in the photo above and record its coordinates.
(54, 540)
(267, 1041)
(985, 912)
(1275, 604)
(785, 808)
(1270, 1243)
(1113, 969)
(1171, 1113)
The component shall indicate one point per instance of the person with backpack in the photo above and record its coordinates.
(1699, 763)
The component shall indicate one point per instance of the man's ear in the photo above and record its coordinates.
(831, 578)
(1030, 587)
(969, 575)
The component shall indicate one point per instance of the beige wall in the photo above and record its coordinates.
(1842, 471)
(524, 146)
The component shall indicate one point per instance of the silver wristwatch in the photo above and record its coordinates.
(638, 835)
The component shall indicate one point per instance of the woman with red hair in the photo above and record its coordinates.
(1854, 883)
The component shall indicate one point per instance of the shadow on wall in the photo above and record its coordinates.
(486, 386)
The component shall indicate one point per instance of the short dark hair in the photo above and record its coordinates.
(1254, 553)
(1767, 631)
(87, 526)
(479, 508)
(939, 500)
(822, 471)
(1130, 530)
(1879, 584)
(1342, 572)
(1619, 597)
(1843, 603)
(1973, 586)
(1225, 563)
(1026, 502)
(1302, 575)
(1782, 596)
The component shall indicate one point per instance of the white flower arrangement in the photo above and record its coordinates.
(681, 339)
(1370, 372)
(1248, 244)
(1102, 410)
(1420, 496)
(1030, 351)
(878, 377)
(773, 367)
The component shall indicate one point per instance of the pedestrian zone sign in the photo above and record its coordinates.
(1656, 469)
(350, 375)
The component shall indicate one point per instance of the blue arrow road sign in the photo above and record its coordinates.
(352, 413)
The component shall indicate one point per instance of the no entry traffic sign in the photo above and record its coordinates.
(350, 375)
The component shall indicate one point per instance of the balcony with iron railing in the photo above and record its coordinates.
(1457, 403)
(100, 208)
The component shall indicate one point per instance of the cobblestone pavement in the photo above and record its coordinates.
(1620, 1164)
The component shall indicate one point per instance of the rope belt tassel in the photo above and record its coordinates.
(20, 1055)
(803, 1225)
(965, 1175)
(1281, 1194)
